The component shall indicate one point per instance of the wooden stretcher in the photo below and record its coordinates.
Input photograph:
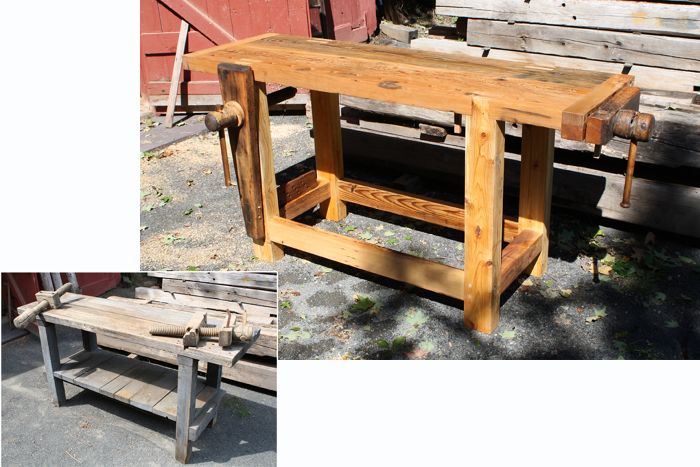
(583, 105)
(179, 395)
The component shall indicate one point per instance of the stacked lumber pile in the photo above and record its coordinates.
(254, 294)
(657, 42)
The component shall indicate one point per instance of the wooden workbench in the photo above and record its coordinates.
(179, 395)
(488, 92)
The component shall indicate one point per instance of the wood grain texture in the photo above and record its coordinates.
(221, 292)
(296, 187)
(320, 194)
(52, 361)
(671, 52)
(599, 123)
(408, 76)
(258, 280)
(186, 384)
(518, 255)
(416, 207)
(604, 14)
(420, 272)
(536, 166)
(237, 84)
(325, 108)
(483, 218)
(264, 248)
(574, 117)
(646, 77)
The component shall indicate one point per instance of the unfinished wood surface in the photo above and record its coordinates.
(258, 280)
(573, 125)
(138, 383)
(416, 207)
(186, 385)
(420, 272)
(483, 217)
(518, 256)
(645, 77)
(583, 189)
(266, 345)
(325, 108)
(248, 372)
(535, 199)
(409, 76)
(677, 53)
(296, 187)
(320, 194)
(669, 18)
(204, 302)
(221, 292)
(237, 84)
(132, 323)
(49, 350)
(264, 248)
(177, 71)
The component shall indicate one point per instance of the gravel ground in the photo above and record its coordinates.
(94, 430)
(642, 303)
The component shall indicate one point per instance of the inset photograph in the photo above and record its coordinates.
(161, 368)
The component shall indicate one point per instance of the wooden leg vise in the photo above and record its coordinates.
(619, 116)
(46, 300)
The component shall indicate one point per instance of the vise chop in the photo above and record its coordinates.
(46, 299)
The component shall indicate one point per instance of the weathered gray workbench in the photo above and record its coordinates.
(178, 395)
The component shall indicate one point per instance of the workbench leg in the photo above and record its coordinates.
(265, 249)
(213, 380)
(186, 398)
(52, 360)
(89, 341)
(536, 188)
(483, 210)
(325, 110)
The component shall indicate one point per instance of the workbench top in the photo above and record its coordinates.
(131, 323)
(517, 92)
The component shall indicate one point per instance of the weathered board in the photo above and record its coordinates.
(259, 280)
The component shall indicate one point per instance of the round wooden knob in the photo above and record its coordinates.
(630, 124)
(230, 115)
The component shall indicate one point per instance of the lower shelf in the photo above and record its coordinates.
(144, 385)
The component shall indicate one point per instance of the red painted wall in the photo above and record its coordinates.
(160, 26)
(352, 20)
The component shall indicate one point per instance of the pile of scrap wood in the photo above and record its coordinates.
(657, 42)
(252, 294)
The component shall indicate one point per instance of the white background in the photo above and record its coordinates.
(70, 201)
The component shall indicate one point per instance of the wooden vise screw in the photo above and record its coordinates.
(196, 329)
(635, 126)
(46, 300)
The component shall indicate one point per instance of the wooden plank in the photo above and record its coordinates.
(188, 10)
(221, 292)
(518, 255)
(321, 194)
(247, 372)
(536, 168)
(122, 380)
(410, 205)
(264, 248)
(483, 216)
(140, 380)
(81, 364)
(402, 76)
(260, 280)
(645, 77)
(677, 53)
(167, 407)
(296, 187)
(49, 350)
(150, 394)
(177, 70)
(204, 302)
(368, 257)
(573, 125)
(237, 84)
(325, 109)
(204, 416)
(603, 14)
(107, 371)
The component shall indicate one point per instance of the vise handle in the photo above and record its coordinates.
(23, 320)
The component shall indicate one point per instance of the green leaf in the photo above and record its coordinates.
(408, 237)
(148, 208)
(172, 239)
(187, 212)
(672, 324)
(427, 346)
(297, 334)
(416, 318)
(295, 328)
(459, 247)
(362, 304)
(398, 343)
(659, 298)
(199, 205)
(165, 199)
(686, 260)
(388, 233)
(349, 228)
(192, 268)
(566, 293)
(508, 335)
(285, 304)
(365, 236)
(597, 315)
(393, 241)
(383, 344)
(599, 233)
